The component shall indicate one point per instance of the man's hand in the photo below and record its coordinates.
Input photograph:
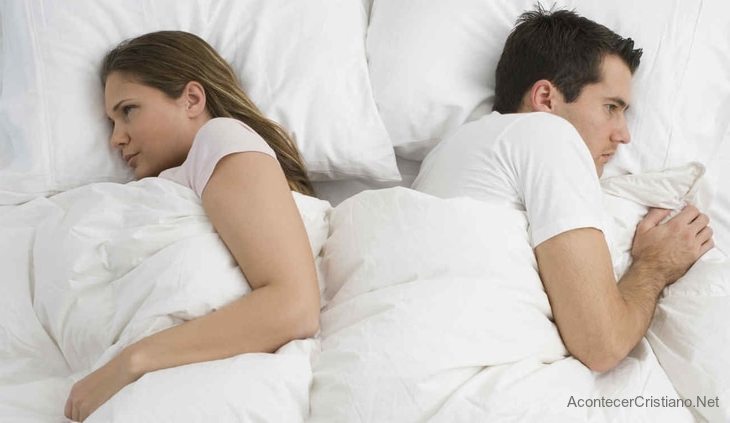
(601, 321)
(670, 249)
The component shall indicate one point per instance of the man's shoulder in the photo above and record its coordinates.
(537, 133)
(510, 126)
(539, 123)
(515, 131)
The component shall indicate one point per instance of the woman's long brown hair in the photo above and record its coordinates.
(168, 60)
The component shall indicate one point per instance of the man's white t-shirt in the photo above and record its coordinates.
(534, 162)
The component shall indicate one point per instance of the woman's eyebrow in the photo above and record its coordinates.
(116, 106)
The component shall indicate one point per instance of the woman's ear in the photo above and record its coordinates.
(194, 99)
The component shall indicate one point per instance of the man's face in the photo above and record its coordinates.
(599, 111)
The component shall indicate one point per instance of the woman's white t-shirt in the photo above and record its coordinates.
(534, 162)
(216, 139)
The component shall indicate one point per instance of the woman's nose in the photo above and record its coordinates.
(119, 137)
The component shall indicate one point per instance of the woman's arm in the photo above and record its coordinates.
(251, 207)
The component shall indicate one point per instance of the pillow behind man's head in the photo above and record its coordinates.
(433, 66)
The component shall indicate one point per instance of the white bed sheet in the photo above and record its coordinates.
(91, 270)
(337, 191)
(35, 373)
(387, 294)
(436, 312)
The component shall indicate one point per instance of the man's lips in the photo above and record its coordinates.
(609, 154)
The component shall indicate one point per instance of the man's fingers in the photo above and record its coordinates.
(67, 410)
(687, 215)
(700, 222)
(704, 235)
(707, 246)
(652, 218)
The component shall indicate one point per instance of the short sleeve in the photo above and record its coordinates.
(555, 175)
(216, 139)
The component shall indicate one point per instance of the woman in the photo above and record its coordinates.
(179, 113)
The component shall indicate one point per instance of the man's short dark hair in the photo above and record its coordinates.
(560, 46)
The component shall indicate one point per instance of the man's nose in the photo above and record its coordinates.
(621, 134)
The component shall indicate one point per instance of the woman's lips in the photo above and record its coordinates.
(131, 160)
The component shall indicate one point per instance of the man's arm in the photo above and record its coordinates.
(600, 321)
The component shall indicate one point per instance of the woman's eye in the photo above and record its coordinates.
(611, 107)
(126, 110)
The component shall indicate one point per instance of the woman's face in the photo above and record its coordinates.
(152, 131)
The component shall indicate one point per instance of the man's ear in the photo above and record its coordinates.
(193, 97)
(541, 97)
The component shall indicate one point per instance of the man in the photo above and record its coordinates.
(563, 86)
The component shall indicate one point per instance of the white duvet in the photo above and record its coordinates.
(94, 269)
(689, 333)
(436, 312)
(433, 311)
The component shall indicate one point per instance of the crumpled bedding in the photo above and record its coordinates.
(436, 312)
(100, 267)
(433, 310)
(688, 334)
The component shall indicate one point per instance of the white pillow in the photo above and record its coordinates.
(701, 120)
(719, 170)
(367, 5)
(432, 66)
(1, 54)
(303, 63)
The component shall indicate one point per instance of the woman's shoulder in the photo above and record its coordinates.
(226, 126)
(229, 134)
(216, 139)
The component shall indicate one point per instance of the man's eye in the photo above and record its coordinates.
(126, 110)
(611, 107)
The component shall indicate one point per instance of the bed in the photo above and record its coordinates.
(431, 311)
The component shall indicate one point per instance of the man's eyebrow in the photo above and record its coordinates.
(619, 101)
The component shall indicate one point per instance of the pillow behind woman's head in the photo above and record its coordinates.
(302, 63)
